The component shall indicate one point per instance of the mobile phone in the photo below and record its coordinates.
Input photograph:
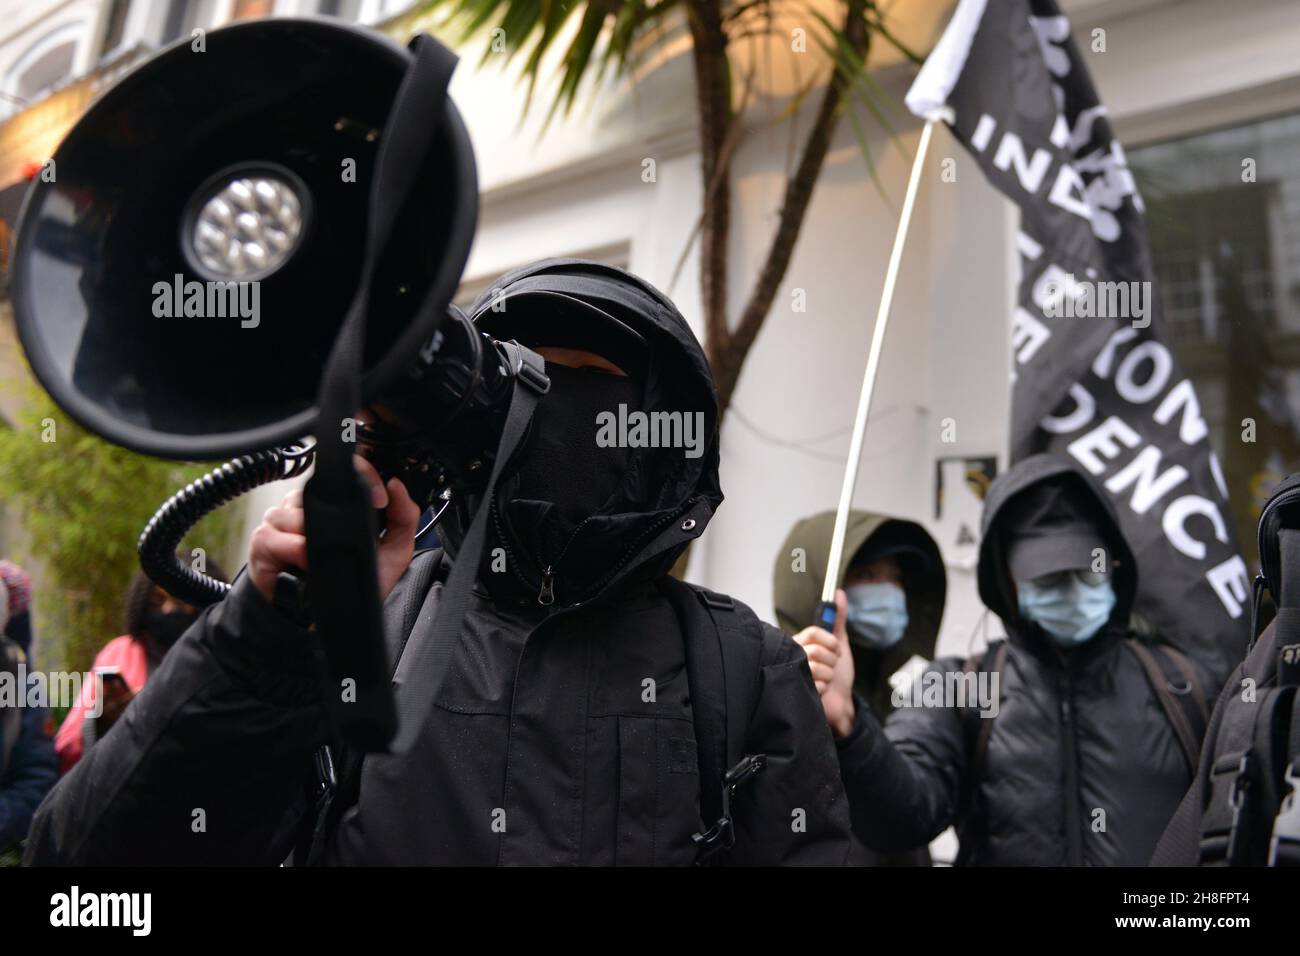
(110, 673)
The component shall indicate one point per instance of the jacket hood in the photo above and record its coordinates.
(666, 498)
(995, 584)
(797, 593)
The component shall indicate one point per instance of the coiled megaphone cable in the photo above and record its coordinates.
(183, 510)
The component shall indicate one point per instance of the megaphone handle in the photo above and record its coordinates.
(826, 614)
(291, 597)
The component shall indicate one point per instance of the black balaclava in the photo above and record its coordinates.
(166, 627)
(563, 463)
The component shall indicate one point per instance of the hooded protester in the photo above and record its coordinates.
(1081, 738)
(579, 719)
(894, 579)
(28, 767)
(887, 636)
(152, 621)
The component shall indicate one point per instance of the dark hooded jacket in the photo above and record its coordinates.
(542, 746)
(1082, 766)
(797, 578)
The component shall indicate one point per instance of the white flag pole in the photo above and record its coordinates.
(826, 614)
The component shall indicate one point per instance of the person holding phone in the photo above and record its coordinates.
(154, 620)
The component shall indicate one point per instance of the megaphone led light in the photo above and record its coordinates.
(247, 224)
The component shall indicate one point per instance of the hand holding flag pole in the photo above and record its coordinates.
(826, 611)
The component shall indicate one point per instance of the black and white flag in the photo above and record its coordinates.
(1093, 377)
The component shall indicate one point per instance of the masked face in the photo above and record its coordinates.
(563, 463)
(1070, 607)
(166, 627)
(877, 614)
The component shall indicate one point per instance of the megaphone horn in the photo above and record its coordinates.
(180, 283)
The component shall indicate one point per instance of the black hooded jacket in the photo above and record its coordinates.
(543, 746)
(1082, 766)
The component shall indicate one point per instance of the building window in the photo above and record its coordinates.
(174, 23)
(47, 63)
(115, 25)
(48, 70)
(1223, 210)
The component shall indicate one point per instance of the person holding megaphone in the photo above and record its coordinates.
(584, 717)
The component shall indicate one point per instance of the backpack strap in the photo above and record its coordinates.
(996, 661)
(1174, 681)
(1243, 779)
(1284, 844)
(978, 731)
(723, 643)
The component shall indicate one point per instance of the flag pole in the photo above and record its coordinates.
(826, 613)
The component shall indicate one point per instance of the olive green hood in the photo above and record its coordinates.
(797, 584)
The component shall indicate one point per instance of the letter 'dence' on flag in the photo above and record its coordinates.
(1093, 377)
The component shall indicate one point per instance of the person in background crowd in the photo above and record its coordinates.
(894, 586)
(153, 620)
(19, 587)
(28, 767)
(1083, 738)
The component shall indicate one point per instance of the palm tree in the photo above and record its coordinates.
(612, 37)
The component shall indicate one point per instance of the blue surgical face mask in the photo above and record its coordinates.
(877, 614)
(1069, 607)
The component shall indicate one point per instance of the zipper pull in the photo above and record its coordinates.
(546, 596)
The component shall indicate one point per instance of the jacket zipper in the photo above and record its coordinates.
(505, 543)
(640, 539)
(546, 586)
(1073, 821)
(546, 594)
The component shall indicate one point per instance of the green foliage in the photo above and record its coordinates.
(613, 36)
(531, 28)
(82, 504)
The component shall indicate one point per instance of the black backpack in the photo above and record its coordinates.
(724, 644)
(1251, 777)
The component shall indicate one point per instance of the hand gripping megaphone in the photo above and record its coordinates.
(245, 241)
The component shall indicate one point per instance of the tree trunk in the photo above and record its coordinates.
(727, 350)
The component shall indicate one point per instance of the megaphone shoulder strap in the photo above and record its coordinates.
(407, 135)
(423, 668)
(340, 523)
